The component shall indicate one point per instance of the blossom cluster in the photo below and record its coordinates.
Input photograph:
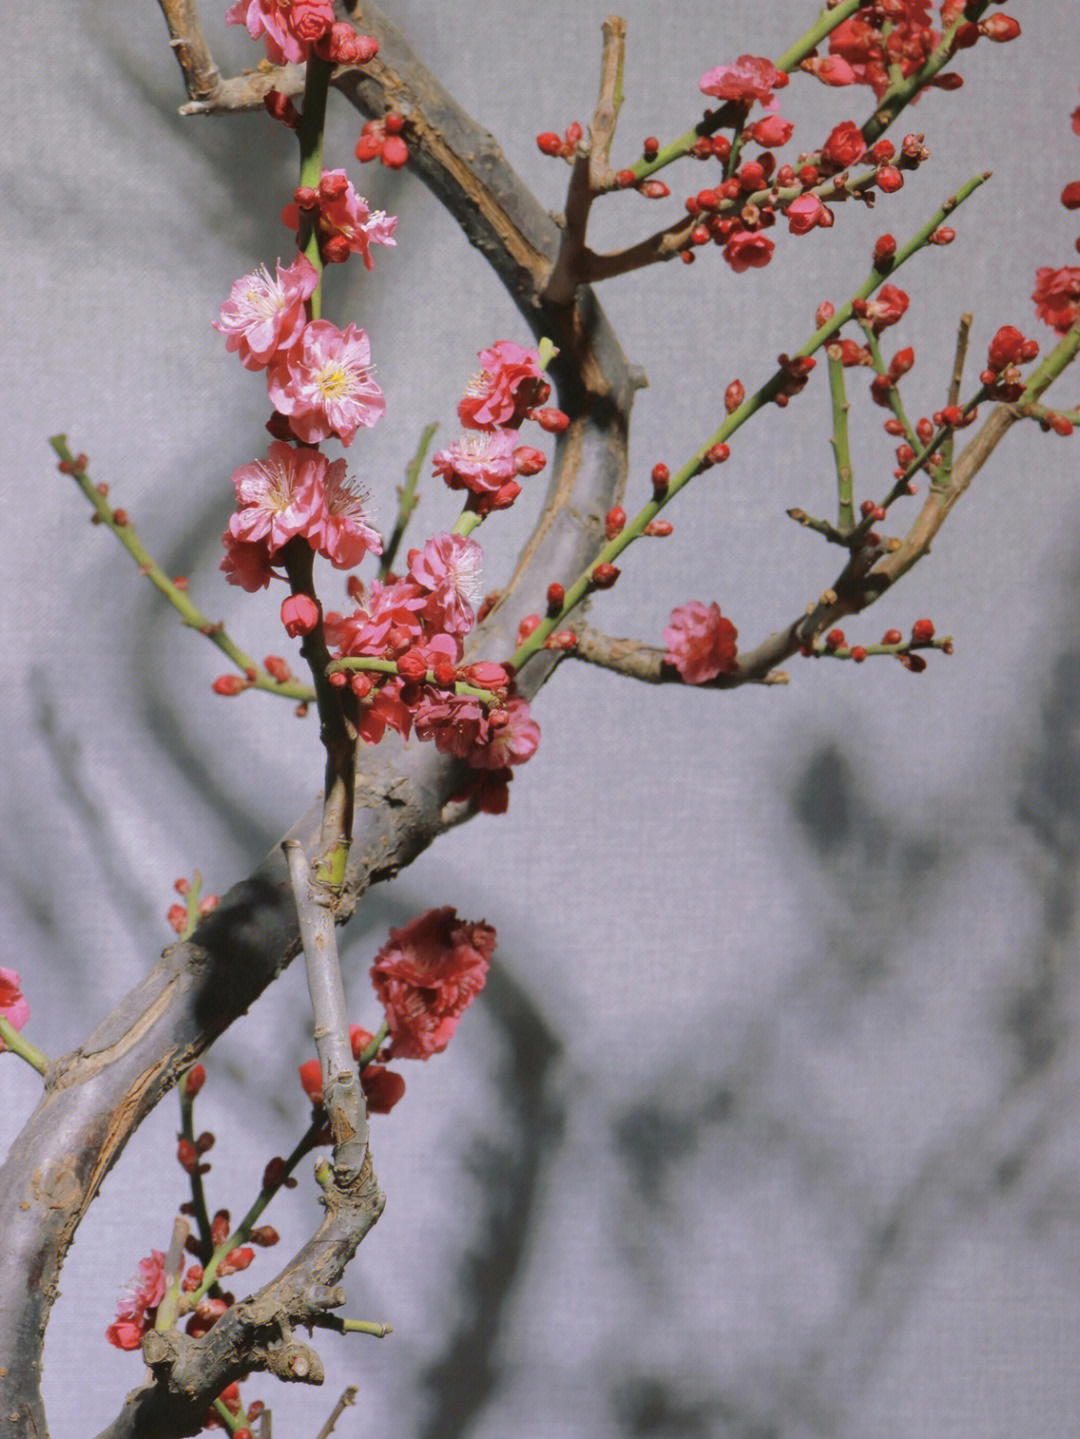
(344, 222)
(294, 29)
(294, 492)
(317, 376)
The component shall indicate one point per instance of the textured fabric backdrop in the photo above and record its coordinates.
(767, 1122)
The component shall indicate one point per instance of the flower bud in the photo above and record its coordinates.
(658, 528)
(395, 152)
(922, 631)
(299, 615)
(999, 28)
(553, 421)
(193, 1081)
(280, 107)
(604, 576)
(555, 596)
(614, 522)
(228, 685)
(889, 179)
(528, 461)
(412, 666)
(549, 143)
(736, 392)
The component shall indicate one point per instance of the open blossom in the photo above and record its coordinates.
(246, 563)
(700, 642)
(746, 249)
(289, 27)
(426, 975)
(750, 77)
(324, 384)
(386, 619)
(278, 497)
(342, 531)
(478, 460)
(138, 1300)
(449, 567)
(349, 215)
(264, 316)
(509, 384)
(1057, 296)
(13, 1007)
(511, 743)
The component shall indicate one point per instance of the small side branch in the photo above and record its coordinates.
(644, 662)
(202, 78)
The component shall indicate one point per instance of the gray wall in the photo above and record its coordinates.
(766, 1124)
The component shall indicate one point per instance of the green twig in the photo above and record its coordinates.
(257, 677)
(407, 501)
(389, 667)
(14, 1041)
(845, 504)
(750, 406)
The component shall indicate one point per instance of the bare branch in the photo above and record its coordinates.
(348, 1397)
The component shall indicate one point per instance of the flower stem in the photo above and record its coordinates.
(177, 597)
(407, 501)
(374, 1045)
(845, 506)
(14, 1041)
(389, 667)
(309, 132)
(576, 592)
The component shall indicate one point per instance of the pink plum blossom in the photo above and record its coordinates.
(246, 563)
(349, 215)
(700, 642)
(511, 743)
(426, 975)
(138, 1300)
(262, 316)
(449, 566)
(746, 249)
(478, 460)
(505, 388)
(750, 77)
(343, 532)
(386, 617)
(13, 1007)
(278, 497)
(289, 27)
(1057, 296)
(324, 384)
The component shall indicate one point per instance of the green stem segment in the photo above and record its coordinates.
(14, 1041)
(407, 501)
(845, 504)
(190, 614)
(750, 406)
(389, 667)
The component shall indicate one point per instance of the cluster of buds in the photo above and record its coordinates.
(1007, 352)
(563, 147)
(180, 916)
(795, 371)
(835, 645)
(382, 140)
(882, 386)
(294, 30)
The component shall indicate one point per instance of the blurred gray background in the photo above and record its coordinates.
(767, 1123)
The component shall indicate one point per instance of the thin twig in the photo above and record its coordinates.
(348, 1397)
(407, 500)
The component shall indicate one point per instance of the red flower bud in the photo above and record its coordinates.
(884, 250)
(604, 576)
(177, 917)
(735, 394)
(368, 147)
(660, 479)
(553, 421)
(393, 123)
(555, 596)
(561, 640)
(660, 528)
(228, 685)
(823, 314)
(650, 146)
(265, 1236)
(193, 1081)
(335, 250)
(902, 362)
(882, 151)
(528, 461)
(299, 614)
(614, 524)
(332, 186)
(922, 631)
(1070, 196)
(395, 152)
(486, 674)
(187, 1155)
(412, 666)
(549, 143)
(892, 637)
(717, 454)
(526, 627)
(654, 190)
(624, 178)
(999, 28)
(835, 639)
(280, 107)
(889, 179)
(943, 235)
(858, 654)
(707, 200)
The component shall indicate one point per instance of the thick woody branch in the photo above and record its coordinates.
(644, 662)
(97, 1096)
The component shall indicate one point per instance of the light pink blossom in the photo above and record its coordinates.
(750, 77)
(343, 532)
(449, 566)
(264, 316)
(700, 642)
(278, 497)
(139, 1297)
(324, 384)
(508, 385)
(426, 975)
(478, 460)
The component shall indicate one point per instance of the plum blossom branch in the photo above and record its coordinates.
(714, 448)
(118, 523)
